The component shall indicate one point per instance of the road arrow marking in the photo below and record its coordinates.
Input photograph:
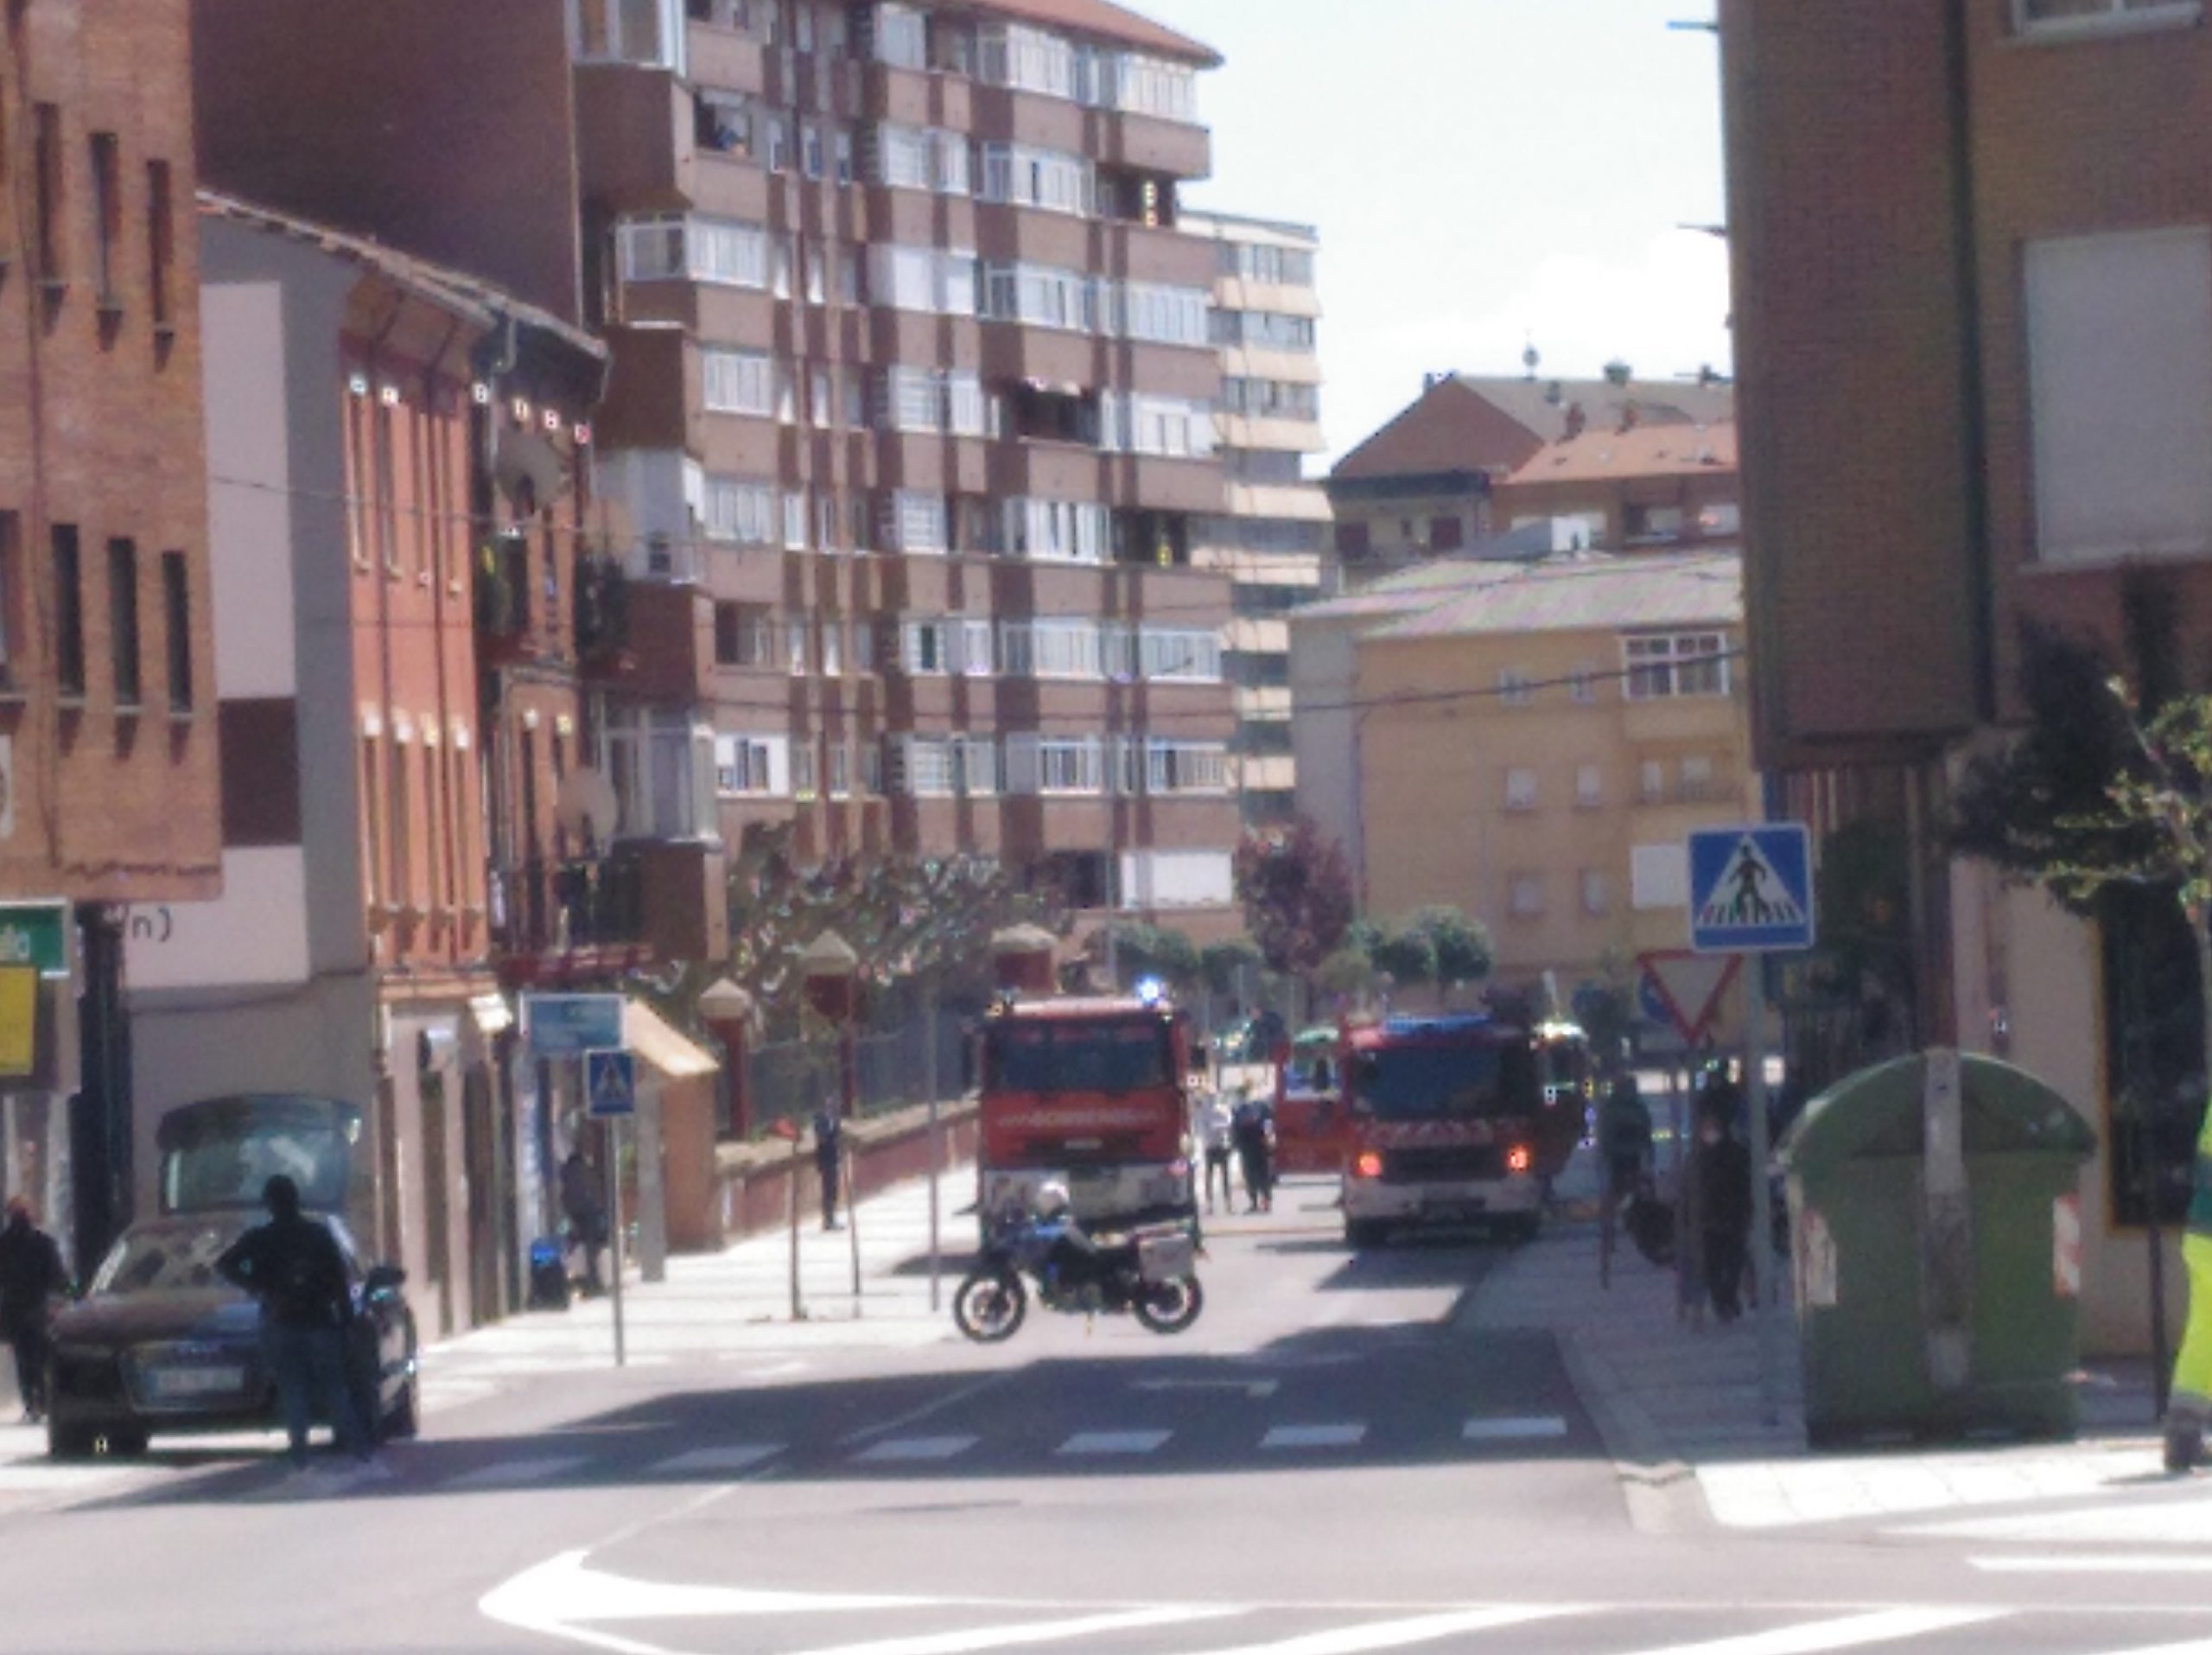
(1257, 1390)
(1850, 1632)
(1398, 1634)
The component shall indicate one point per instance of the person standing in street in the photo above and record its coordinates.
(586, 1213)
(829, 1148)
(1216, 1143)
(292, 1266)
(2188, 1401)
(1723, 1212)
(31, 1277)
(1253, 1133)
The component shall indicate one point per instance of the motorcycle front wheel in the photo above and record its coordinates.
(989, 1305)
(1170, 1307)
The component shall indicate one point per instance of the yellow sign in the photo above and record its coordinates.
(18, 1020)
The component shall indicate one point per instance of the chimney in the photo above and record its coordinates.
(1577, 421)
(1631, 416)
(1618, 373)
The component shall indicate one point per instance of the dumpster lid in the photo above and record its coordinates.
(1876, 1114)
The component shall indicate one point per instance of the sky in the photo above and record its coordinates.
(1484, 174)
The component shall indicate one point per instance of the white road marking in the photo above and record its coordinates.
(1257, 1390)
(1398, 1634)
(2194, 1647)
(2094, 1563)
(1036, 1631)
(915, 1447)
(1114, 1442)
(1851, 1631)
(513, 1474)
(737, 1456)
(2149, 1521)
(1314, 1436)
(1533, 1429)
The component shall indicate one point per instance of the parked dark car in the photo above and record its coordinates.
(161, 1343)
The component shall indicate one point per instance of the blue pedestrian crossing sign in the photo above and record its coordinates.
(1752, 889)
(610, 1083)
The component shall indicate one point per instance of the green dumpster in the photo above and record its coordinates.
(1924, 1315)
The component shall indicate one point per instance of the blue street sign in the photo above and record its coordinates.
(1752, 889)
(569, 1025)
(610, 1083)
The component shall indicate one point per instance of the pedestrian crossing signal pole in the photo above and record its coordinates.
(1762, 1279)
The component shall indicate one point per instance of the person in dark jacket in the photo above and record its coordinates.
(1722, 1175)
(829, 1150)
(1251, 1126)
(586, 1213)
(31, 1277)
(292, 1266)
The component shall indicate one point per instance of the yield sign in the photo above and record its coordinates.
(1689, 986)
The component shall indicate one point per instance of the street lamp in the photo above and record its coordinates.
(727, 1009)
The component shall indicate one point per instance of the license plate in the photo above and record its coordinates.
(172, 1385)
(1467, 1207)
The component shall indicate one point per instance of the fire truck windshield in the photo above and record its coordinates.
(1436, 1082)
(1048, 1057)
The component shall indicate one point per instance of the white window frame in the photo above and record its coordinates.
(746, 766)
(693, 247)
(738, 382)
(1515, 688)
(2117, 17)
(1173, 767)
(1658, 665)
(1520, 788)
(741, 510)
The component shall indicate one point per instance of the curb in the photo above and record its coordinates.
(1660, 1488)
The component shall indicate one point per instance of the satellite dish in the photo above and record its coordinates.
(586, 806)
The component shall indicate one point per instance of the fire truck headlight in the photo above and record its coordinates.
(1517, 1159)
(1367, 1164)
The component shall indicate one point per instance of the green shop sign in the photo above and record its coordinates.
(31, 934)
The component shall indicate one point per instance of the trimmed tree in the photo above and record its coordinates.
(1295, 887)
(1462, 945)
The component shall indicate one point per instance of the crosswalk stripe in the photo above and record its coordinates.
(510, 1473)
(1532, 1429)
(737, 1456)
(2193, 1646)
(2096, 1563)
(1035, 1632)
(1398, 1634)
(915, 1447)
(1851, 1631)
(1113, 1442)
(1314, 1436)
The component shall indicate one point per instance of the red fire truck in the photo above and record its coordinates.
(1090, 1092)
(1445, 1125)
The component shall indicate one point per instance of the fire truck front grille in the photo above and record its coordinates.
(1442, 1162)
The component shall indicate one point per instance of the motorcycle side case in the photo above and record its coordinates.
(1166, 1257)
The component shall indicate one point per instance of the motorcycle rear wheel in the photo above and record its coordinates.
(988, 1306)
(1170, 1307)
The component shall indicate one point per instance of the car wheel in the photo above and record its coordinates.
(1362, 1232)
(403, 1419)
(124, 1441)
(68, 1441)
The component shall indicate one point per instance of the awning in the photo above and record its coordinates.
(491, 1013)
(657, 1043)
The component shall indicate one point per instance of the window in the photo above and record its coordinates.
(915, 521)
(739, 382)
(922, 279)
(161, 240)
(1528, 896)
(2083, 16)
(1185, 766)
(68, 612)
(1271, 398)
(1651, 781)
(1514, 688)
(107, 212)
(745, 635)
(833, 646)
(1520, 789)
(1144, 86)
(1050, 648)
(689, 247)
(803, 784)
(1055, 764)
(978, 757)
(1029, 60)
(1263, 330)
(872, 778)
(934, 399)
(1684, 664)
(1156, 315)
(721, 123)
(1040, 295)
(1582, 684)
(813, 153)
(1271, 267)
(739, 511)
(1597, 891)
(840, 770)
(822, 398)
(2119, 369)
(842, 147)
(46, 162)
(748, 764)
(123, 621)
(400, 885)
(922, 766)
(901, 37)
(1022, 175)
(1056, 531)
(1697, 778)
(798, 634)
(1191, 656)
(1659, 876)
(1135, 422)
(1589, 786)
(921, 158)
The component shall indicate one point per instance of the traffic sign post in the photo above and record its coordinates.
(570, 1025)
(1751, 892)
(611, 1095)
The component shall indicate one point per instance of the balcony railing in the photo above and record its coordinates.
(563, 907)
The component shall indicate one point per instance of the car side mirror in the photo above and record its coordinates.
(384, 1278)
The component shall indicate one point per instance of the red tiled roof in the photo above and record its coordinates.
(1466, 423)
(1100, 18)
(1643, 451)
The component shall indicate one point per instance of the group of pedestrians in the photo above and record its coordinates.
(1234, 1124)
(1716, 1208)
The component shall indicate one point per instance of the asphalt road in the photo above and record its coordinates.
(1325, 1464)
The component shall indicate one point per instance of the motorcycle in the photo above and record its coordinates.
(1150, 1273)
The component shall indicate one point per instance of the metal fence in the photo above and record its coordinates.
(790, 1080)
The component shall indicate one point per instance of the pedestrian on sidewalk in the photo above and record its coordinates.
(1252, 1130)
(586, 1213)
(2188, 1401)
(1723, 1212)
(829, 1148)
(31, 1277)
(292, 1266)
(1214, 1134)
(1624, 1136)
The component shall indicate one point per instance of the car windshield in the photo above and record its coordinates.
(1049, 1056)
(1434, 1082)
(164, 1258)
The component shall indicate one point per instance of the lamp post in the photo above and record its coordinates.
(727, 1009)
(830, 973)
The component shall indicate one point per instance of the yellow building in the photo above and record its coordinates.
(1531, 742)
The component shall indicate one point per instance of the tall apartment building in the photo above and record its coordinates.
(108, 788)
(913, 418)
(1272, 533)
(1966, 230)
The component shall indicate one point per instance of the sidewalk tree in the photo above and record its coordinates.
(1225, 965)
(1295, 887)
(1462, 945)
(1142, 951)
(1404, 953)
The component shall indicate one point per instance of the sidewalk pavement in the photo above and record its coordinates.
(1679, 1407)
